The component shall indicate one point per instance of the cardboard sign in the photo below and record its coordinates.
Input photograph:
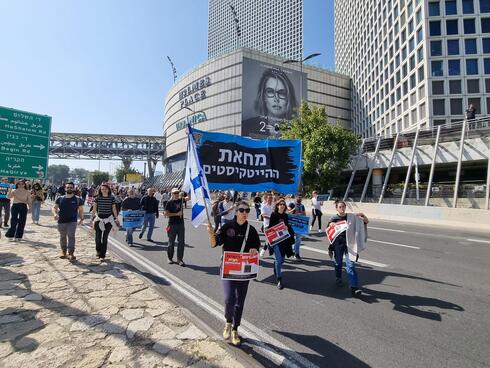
(4, 187)
(132, 219)
(239, 266)
(277, 233)
(299, 223)
(322, 197)
(335, 229)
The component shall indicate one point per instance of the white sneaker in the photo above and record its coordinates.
(311, 228)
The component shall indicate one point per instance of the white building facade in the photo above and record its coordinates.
(270, 26)
(413, 63)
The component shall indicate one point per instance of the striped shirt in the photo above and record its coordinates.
(104, 206)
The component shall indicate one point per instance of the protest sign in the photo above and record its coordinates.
(239, 266)
(299, 223)
(335, 229)
(132, 219)
(4, 187)
(277, 233)
(322, 197)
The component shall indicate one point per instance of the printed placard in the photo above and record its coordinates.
(299, 223)
(239, 266)
(277, 233)
(4, 187)
(132, 219)
(335, 229)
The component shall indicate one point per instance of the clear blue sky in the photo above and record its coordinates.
(101, 67)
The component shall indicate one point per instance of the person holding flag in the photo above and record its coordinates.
(347, 234)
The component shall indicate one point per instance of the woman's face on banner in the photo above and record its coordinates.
(276, 97)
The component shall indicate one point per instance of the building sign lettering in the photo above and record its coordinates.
(194, 92)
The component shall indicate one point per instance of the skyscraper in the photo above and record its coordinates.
(413, 62)
(271, 26)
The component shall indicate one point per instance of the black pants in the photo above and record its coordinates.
(5, 206)
(176, 230)
(101, 239)
(217, 223)
(17, 221)
(316, 214)
(235, 294)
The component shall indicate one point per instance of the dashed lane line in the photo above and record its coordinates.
(395, 244)
(361, 260)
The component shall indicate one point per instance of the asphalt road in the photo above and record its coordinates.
(425, 302)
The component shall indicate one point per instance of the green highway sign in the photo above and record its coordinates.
(24, 144)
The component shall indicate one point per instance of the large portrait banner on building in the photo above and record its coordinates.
(249, 165)
(271, 95)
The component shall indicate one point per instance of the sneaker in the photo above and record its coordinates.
(62, 254)
(319, 230)
(227, 331)
(280, 285)
(339, 282)
(150, 240)
(130, 244)
(297, 257)
(355, 292)
(71, 257)
(17, 239)
(140, 235)
(181, 264)
(311, 228)
(170, 261)
(235, 338)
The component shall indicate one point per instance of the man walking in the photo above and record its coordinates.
(130, 203)
(65, 211)
(175, 228)
(149, 204)
(4, 202)
(297, 208)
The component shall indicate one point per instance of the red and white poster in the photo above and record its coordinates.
(239, 266)
(277, 233)
(335, 229)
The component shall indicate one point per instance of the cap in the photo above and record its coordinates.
(175, 190)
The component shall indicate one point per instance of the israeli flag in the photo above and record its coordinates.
(195, 183)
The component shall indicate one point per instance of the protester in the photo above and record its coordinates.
(165, 198)
(349, 243)
(104, 218)
(297, 208)
(130, 203)
(215, 212)
(226, 209)
(149, 204)
(21, 202)
(266, 211)
(282, 249)
(37, 198)
(65, 211)
(470, 113)
(175, 228)
(316, 210)
(257, 205)
(5, 205)
(234, 236)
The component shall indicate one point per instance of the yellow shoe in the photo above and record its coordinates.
(227, 331)
(235, 338)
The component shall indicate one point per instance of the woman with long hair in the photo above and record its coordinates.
(21, 201)
(276, 97)
(37, 197)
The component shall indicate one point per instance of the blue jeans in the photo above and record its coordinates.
(350, 266)
(129, 235)
(149, 221)
(279, 260)
(297, 244)
(36, 210)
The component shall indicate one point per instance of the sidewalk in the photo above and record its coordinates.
(86, 314)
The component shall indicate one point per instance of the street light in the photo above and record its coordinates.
(238, 31)
(292, 61)
(174, 70)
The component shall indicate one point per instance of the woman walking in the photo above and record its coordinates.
(350, 242)
(282, 249)
(316, 210)
(37, 197)
(235, 236)
(21, 201)
(104, 217)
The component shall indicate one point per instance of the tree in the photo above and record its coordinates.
(58, 173)
(121, 173)
(80, 174)
(98, 177)
(327, 148)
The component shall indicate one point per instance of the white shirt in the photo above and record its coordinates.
(316, 204)
(231, 214)
(267, 210)
(166, 196)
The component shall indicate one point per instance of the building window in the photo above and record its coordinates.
(453, 67)
(451, 8)
(421, 74)
(485, 25)
(434, 9)
(435, 27)
(436, 67)
(439, 106)
(487, 86)
(435, 48)
(455, 87)
(471, 66)
(453, 47)
(420, 54)
(486, 66)
(456, 106)
(452, 27)
(468, 7)
(486, 45)
(470, 46)
(438, 87)
(469, 26)
(473, 86)
(420, 35)
(439, 122)
(484, 6)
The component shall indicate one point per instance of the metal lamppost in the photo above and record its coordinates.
(174, 70)
(238, 31)
(292, 61)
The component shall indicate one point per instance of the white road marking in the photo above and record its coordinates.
(361, 260)
(395, 244)
(479, 241)
(262, 341)
(385, 229)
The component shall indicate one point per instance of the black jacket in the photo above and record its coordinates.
(231, 237)
(149, 204)
(285, 246)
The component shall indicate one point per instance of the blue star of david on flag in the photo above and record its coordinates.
(195, 183)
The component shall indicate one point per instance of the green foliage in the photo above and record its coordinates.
(121, 173)
(98, 177)
(80, 174)
(58, 173)
(326, 147)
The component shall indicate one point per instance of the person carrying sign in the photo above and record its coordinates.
(283, 248)
(235, 236)
(347, 235)
(130, 203)
(4, 202)
(297, 208)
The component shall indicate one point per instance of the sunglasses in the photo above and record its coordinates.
(242, 210)
(281, 204)
(281, 94)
